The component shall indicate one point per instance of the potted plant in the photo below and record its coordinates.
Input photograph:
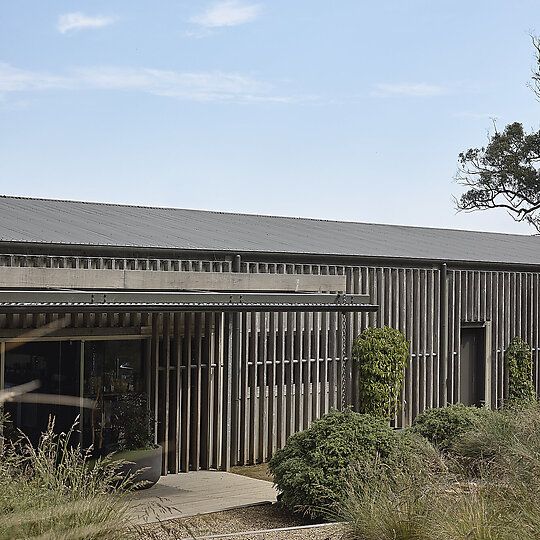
(134, 424)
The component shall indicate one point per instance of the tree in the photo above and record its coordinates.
(506, 172)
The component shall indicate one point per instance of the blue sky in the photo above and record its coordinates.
(346, 110)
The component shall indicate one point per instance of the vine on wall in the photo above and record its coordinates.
(380, 356)
(520, 371)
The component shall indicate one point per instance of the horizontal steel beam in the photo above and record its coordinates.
(147, 297)
(60, 307)
(24, 301)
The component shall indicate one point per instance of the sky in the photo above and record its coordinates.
(345, 110)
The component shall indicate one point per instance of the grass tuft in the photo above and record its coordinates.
(488, 488)
(51, 492)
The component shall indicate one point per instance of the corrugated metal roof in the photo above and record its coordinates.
(99, 224)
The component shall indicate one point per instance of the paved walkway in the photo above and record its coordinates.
(198, 492)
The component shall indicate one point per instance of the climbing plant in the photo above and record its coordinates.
(519, 364)
(380, 356)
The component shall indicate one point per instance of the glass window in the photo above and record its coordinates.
(56, 366)
(113, 374)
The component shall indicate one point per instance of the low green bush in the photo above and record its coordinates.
(442, 426)
(311, 470)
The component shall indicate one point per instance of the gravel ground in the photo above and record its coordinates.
(252, 518)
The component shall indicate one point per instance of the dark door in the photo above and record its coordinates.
(472, 366)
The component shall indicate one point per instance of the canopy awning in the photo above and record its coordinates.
(57, 301)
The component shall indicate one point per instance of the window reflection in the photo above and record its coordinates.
(113, 375)
(114, 370)
(56, 366)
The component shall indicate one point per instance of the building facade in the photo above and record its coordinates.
(228, 379)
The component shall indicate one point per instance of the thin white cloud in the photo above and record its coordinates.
(195, 86)
(212, 86)
(408, 89)
(15, 80)
(227, 13)
(77, 21)
(479, 116)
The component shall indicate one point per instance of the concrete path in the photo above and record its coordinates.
(198, 492)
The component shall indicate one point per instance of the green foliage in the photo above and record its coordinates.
(381, 356)
(311, 470)
(443, 426)
(505, 173)
(520, 371)
(134, 423)
(51, 492)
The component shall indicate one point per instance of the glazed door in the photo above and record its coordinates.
(56, 366)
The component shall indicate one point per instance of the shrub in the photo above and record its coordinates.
(441, 427)
(134, 423)
(381, 356)
(311, 470)
(418, 451)
(519, 364)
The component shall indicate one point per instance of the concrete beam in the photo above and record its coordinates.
(76, 278)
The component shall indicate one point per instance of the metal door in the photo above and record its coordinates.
(472, 366)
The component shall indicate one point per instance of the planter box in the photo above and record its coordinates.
(144, 464)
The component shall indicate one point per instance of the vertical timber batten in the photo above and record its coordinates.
(175, 393)
(443, 350)
(235, 383)
(185, 415)
(206, 391)
(154, 375)
(164, 387)
(227, 398)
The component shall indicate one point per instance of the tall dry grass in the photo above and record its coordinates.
(489, 488)
(51, 492)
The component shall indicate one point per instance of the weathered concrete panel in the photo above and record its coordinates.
(77, 278)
